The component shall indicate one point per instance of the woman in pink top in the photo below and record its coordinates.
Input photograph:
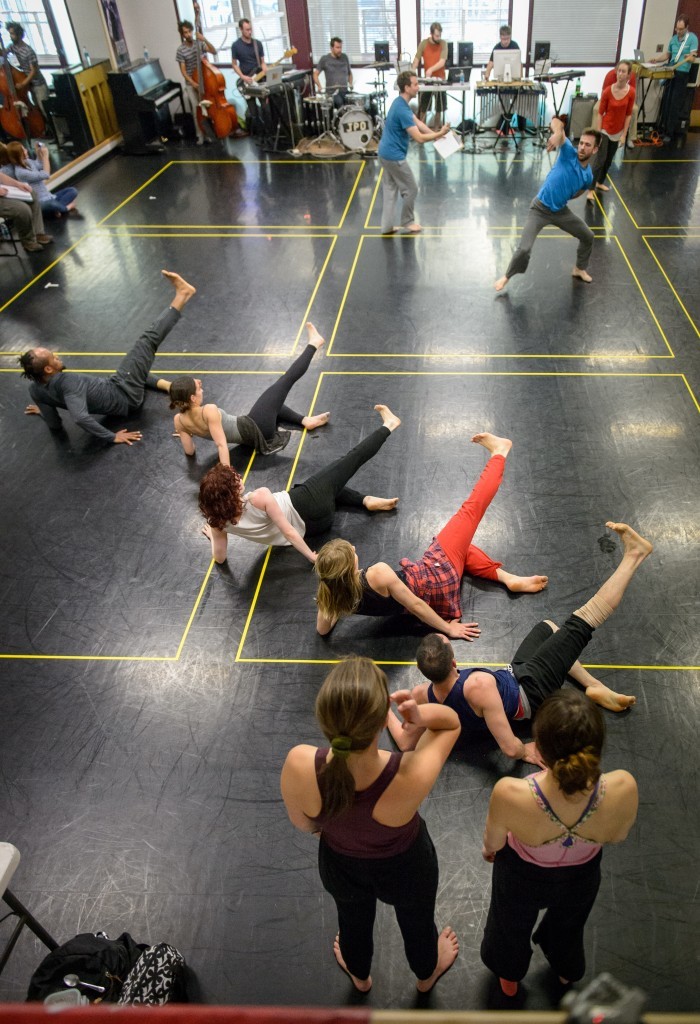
(544, 836)
(613, 120)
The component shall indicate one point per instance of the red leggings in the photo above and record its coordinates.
(456, 537)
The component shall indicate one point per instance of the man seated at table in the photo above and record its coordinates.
(336, 71)
(609, 80)
(681, 52)
(433, 52)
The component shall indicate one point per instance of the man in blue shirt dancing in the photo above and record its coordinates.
(569, 177)
(401, 125)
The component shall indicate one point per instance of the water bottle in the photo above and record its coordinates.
(86, 58)
(145, 54)
(577, 90)
(461, 76)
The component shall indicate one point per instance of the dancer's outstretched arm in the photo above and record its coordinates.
(385, 576)
(212, 417)
(219, 542)
(263, 499)
(186, 439)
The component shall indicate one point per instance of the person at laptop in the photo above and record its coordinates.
(433, 53)
(337, 72)
(569, 177)
(681, 52)
(506, 43)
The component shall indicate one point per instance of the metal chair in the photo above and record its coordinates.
(9, 861)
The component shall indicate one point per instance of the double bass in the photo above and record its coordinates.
(18, 115)
(211, 85)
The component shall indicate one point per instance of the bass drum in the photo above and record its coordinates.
(354, 127)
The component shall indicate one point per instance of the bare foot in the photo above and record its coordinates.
(311, 422)
(361, 986)
(183, 290)
(501, 283)
(315, 338)
(448, 949)
(388, 419)
(607, 698)
(603, 188)
(379, 504)
(582, 275)
(493, 444)
(633, 543)
(413, 229)
(522, 584)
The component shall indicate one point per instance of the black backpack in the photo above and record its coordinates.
(95, 959)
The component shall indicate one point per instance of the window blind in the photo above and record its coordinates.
(583, 35)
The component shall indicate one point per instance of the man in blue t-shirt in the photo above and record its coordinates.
(569, 177)
(681, 53)
(397, 177)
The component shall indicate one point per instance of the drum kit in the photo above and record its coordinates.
(354, 127)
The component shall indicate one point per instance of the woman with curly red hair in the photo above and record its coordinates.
(286, 517)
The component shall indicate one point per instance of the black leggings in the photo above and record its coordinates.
(604, 159)
(315, 500)
(270, 406)
(542, 661)
(519, 890)
(407, 881)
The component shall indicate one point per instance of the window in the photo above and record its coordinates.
(359, 23)
(590, 40)
(476, 21)
(220, 24)
(31, 14)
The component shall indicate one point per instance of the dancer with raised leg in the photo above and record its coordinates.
(258, 429)
(429, 588)
(490, 699)
(287, 517)
(363, 804)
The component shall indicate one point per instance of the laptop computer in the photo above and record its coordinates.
(639, 56)
(453, 74)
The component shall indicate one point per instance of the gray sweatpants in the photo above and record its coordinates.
(397, 179)
(134, 373)
(539, 217)
(26, 217)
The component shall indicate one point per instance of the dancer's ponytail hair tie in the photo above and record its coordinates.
(341, 745)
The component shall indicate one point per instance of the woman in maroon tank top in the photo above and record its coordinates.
(363, 804)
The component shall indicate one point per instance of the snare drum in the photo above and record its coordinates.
(318, 111)
(354, 127)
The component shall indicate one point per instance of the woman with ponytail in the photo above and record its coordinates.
(363, 804)
(544, 836)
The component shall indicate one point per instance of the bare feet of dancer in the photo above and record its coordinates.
(599, 693)
(183, 290)
(501, 283)
(311, 422)
(314, 338)
(448, 949)
(493, 444)
(522, 584)
(581, 274)
(361, 986)
(373, 504)
(633, 544)
(390, 421)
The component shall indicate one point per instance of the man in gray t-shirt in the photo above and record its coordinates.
(337, 72)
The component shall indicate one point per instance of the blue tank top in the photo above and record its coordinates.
(355, 833)
(508, 690)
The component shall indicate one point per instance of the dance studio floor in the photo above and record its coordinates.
(148, 697)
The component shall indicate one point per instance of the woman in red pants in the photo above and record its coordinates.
(429, 588)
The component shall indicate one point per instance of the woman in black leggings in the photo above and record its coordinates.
(258, 429)
(286, 517)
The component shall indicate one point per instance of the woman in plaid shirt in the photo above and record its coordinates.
(429, 588)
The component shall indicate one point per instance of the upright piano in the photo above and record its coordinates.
(142, 95)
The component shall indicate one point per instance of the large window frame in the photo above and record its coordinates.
(359, 23)
(220, 25)
(474, 21)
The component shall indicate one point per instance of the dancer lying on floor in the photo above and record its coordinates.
(363, 803)
(544, 836)
(429, 588)
(286, 517)
(258, 429)
(488, 699)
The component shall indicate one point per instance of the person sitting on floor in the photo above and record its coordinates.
(24, 215)
(35, 171)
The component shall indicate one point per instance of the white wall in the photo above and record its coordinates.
(153, 24)
(659, 22)
(89, 28)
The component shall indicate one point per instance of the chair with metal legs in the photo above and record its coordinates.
(9, 861)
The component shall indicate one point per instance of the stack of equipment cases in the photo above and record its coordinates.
(580, 115)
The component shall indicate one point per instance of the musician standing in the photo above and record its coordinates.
(28, 65)
(247, 60)
(681, 51)
(433, 52)
(506, 43)
(187, 58)
(337, 72)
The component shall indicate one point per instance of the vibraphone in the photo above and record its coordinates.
(508, 98)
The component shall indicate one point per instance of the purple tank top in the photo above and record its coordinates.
(355, 833)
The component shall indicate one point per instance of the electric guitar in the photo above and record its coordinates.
(241, 83)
